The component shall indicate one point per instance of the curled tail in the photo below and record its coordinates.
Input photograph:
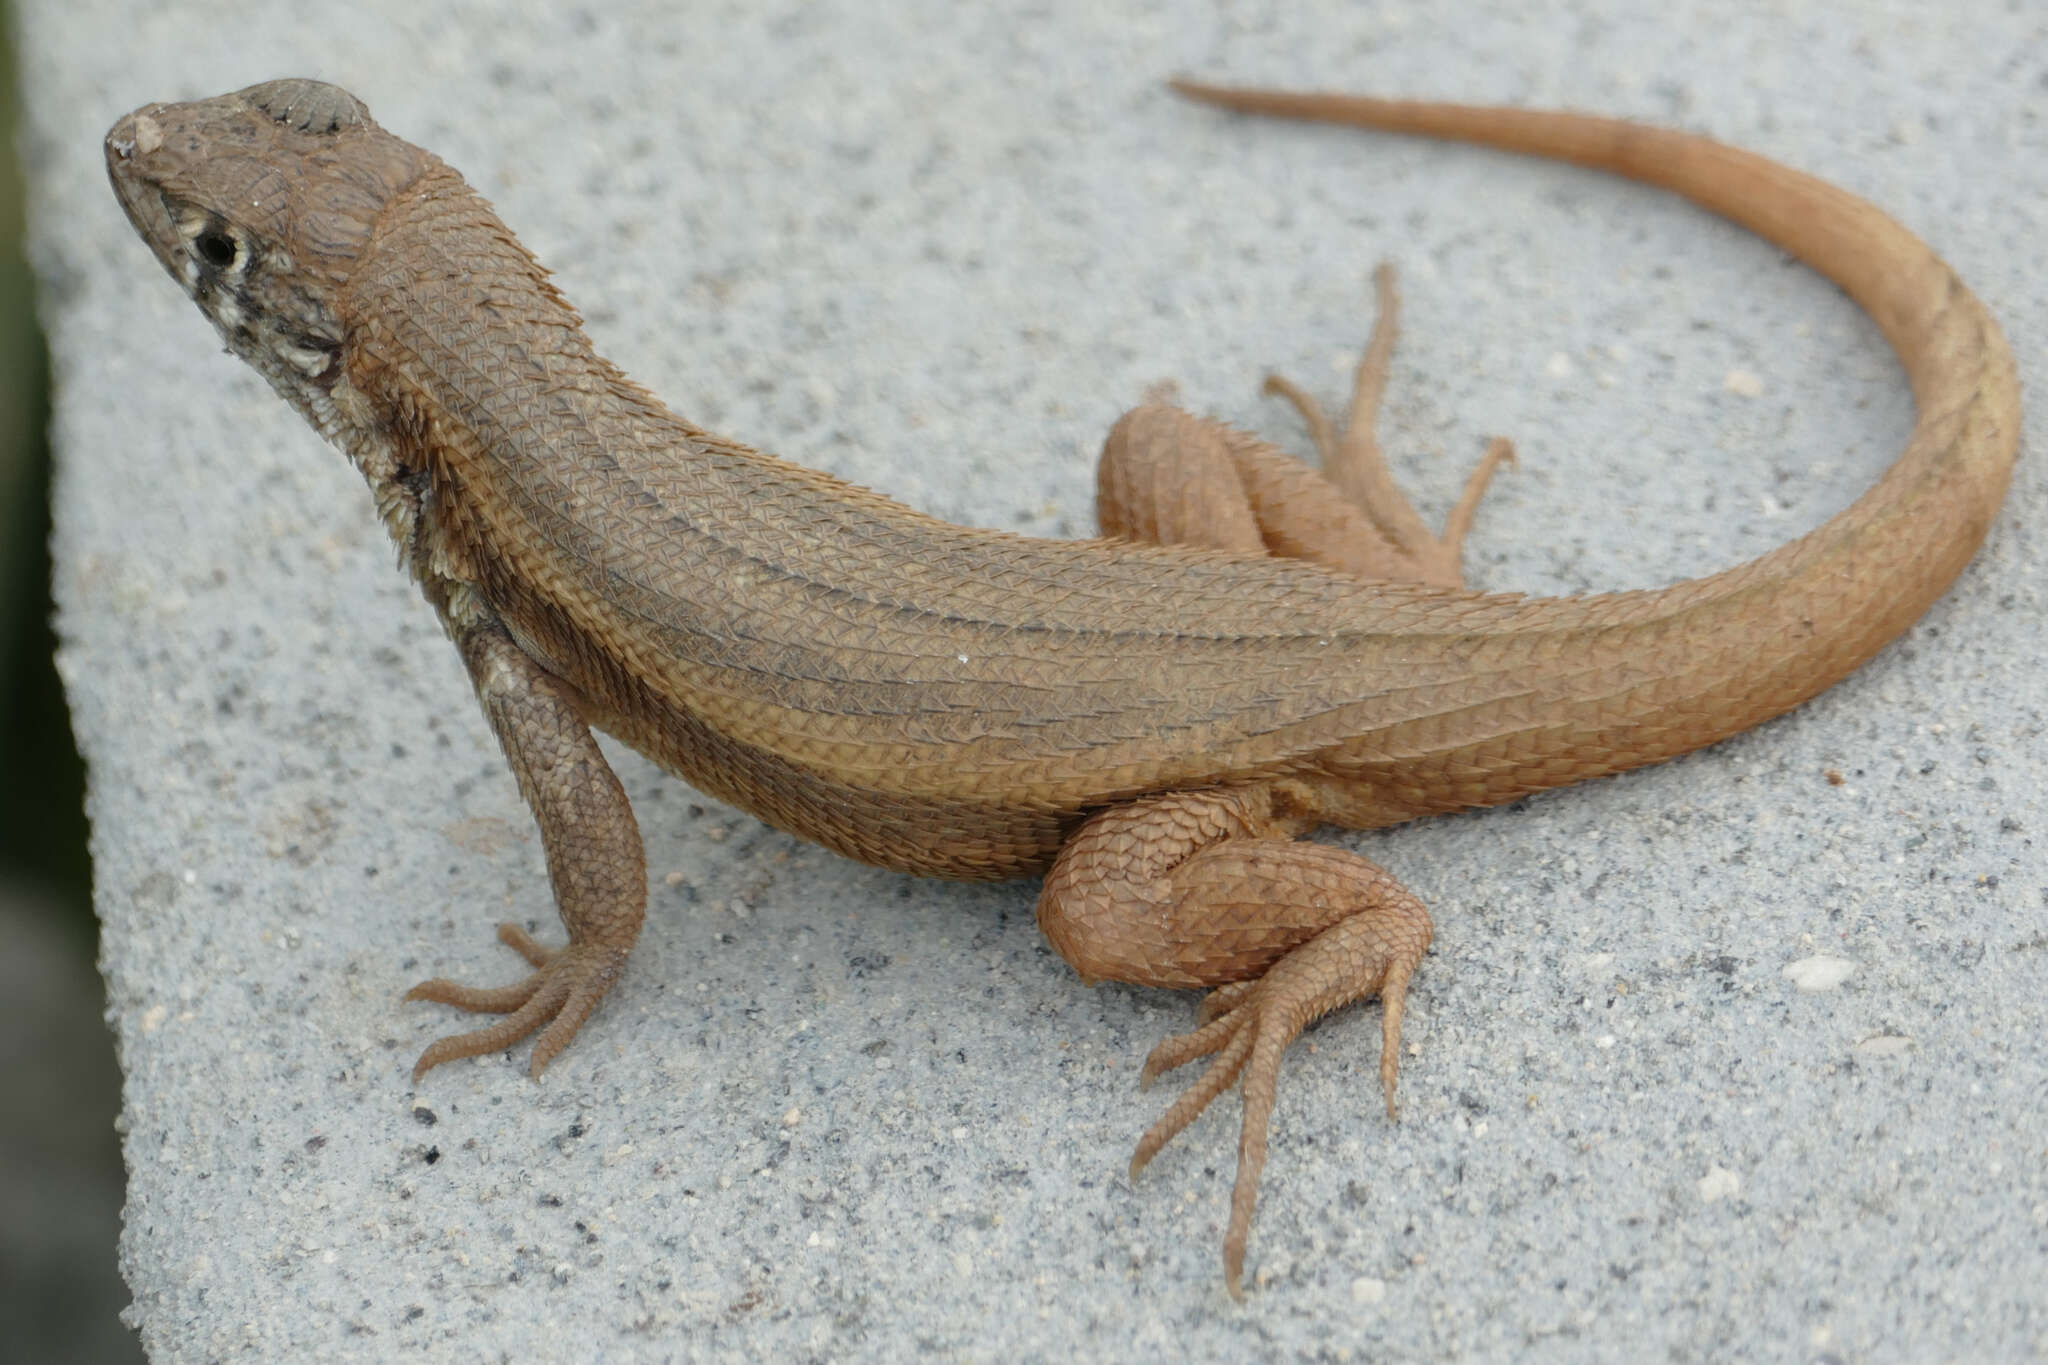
(1715, 655)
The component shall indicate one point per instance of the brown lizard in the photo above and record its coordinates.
(1151, 718)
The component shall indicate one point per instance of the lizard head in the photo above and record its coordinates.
(260, 203)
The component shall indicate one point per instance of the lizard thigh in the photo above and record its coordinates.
(1206, 888)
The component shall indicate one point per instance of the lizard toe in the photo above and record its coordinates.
(1246, 1029)
(555, 1000)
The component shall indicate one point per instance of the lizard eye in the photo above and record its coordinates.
(217, 248)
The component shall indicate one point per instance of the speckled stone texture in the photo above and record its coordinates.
(1721, 1058)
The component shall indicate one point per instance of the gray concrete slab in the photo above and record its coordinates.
(834, 1113)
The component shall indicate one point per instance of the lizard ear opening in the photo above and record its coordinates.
(308, 105)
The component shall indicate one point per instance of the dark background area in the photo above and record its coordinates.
(60, 1158)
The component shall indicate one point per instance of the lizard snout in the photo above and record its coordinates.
(138, 134)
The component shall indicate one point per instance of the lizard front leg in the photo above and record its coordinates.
(595, 862)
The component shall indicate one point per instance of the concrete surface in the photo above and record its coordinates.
(834, 1113)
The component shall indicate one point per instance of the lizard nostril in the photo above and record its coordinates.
(136, 135)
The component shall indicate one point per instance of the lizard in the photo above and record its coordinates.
(1252, 648)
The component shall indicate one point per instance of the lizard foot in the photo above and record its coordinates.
(1246, 1027)
(1168, 477)
(566, 985)
(1352, 459)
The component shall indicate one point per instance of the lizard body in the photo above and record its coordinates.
(1254, 649)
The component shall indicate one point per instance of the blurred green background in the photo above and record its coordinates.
(60, 1160)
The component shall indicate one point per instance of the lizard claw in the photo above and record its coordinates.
(566, 985)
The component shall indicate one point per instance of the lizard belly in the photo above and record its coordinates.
(922, 835)
(926, 835)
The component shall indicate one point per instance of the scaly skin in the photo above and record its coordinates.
(1152, 724)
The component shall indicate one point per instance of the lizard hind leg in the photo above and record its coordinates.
(1172, 478)
(1208, 888)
